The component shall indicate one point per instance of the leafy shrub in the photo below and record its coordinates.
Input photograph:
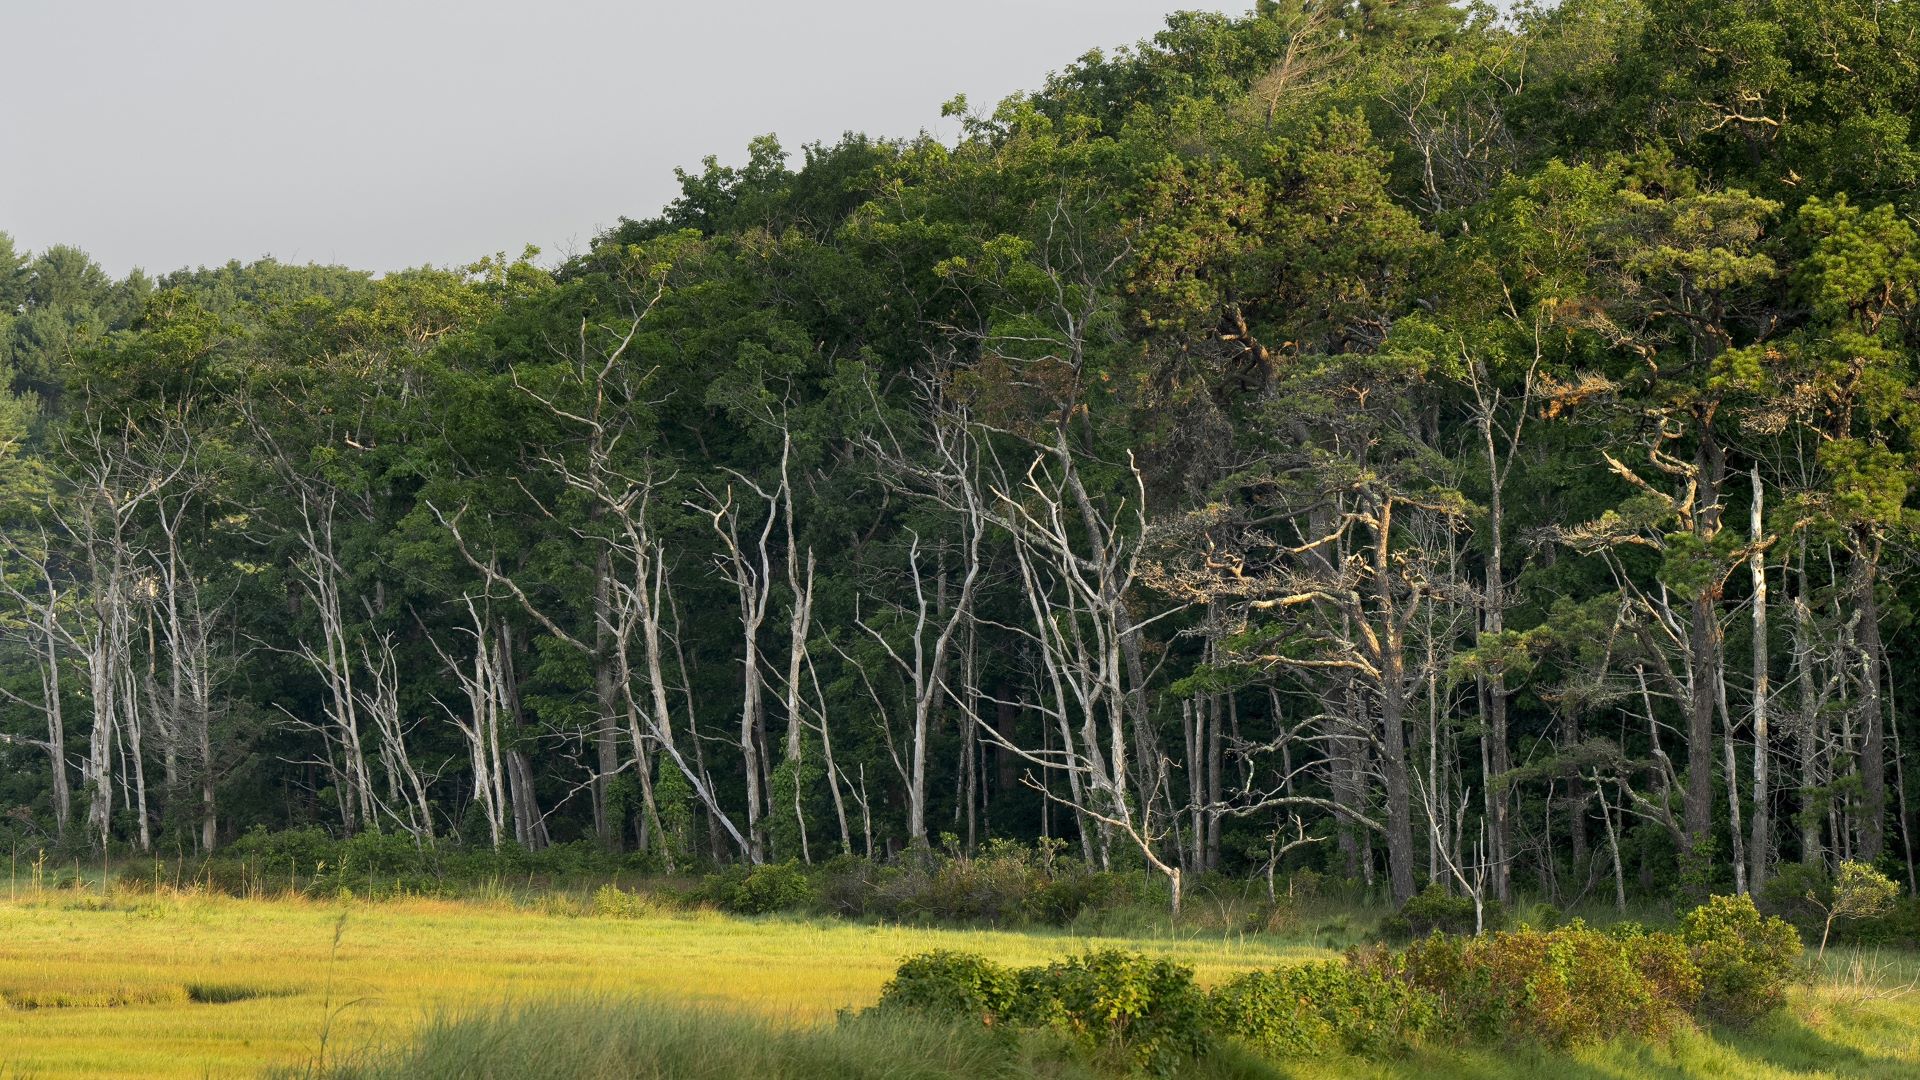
(951, 984)
(1312, 1008)
(1666, 965)
(291, 852)
(1745, 959)
(1859, 892)
(762, 889)
(1560, 987)
(1006, 884)
(1797, 893)
(1146, 1012)
(1433, 911)
(1898, 927)
(1077, 890)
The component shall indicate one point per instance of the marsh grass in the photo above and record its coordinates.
(167, 981)
(604, 1039)
(173, 982)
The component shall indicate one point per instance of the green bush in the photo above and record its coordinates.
(1142, 1011)
(1798, 893)
(1066, 894)
(1434, 911)
(1560, 987)
(1746, 960)
(1314, 1008)
(1666, 965)
(291, 852)
(951, 984)
(760, 890)
(1007, 883)
(1115, 1007)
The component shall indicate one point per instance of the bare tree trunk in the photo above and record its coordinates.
(1760, 847)
(606, 693)
(529, 824)
(1873, 750)
(1810, 735)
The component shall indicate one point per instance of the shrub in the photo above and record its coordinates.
(951, 984)
(1797, 893)
(1859, 892)
(1433, 911)
(1007, 883)
(1312, 1008)
(844, 885)
(291, 852)
(1559, 987)
(762, 889)
(1745, 959)
(1864, 902)
(1146, 1012)
(1075, 889)
(1666, 965)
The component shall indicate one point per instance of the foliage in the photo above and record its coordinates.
(1007, 883)
(1205, 394)
(962, 985)
(1561, 987)
(1433, 911)
(1317, 1008)
(1111, 1003)
(760, 890)
(1746, 960)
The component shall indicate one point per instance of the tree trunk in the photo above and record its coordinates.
(1760, 845)
(1873, 750)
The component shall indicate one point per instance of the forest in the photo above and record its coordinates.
(1416, 442)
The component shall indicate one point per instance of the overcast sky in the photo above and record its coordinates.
(389, 134)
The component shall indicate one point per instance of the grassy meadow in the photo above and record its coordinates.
(184, 984)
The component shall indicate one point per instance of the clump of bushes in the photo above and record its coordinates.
(760, 890)
(1746, 960)
(1134, 1010)
(1146, 1013)
(1435, 911)
(311, 861)
(1138, 1010)
(1007, 883)
(1859, 905)
(1559, 987)
(1574, 984)
(952, 984)
(1310, 1009)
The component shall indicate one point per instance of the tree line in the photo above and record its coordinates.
(1415, 441)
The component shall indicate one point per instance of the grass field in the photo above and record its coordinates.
(198, 985)
(193, 985)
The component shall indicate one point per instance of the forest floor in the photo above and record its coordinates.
(177, 985)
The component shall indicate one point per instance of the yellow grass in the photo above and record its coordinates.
(190, 985)
(109, 989)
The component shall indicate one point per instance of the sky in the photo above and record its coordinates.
(389, 134)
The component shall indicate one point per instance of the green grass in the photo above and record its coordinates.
(195, 985)
(184, 984)
(575, 1039)
(600, 1039)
